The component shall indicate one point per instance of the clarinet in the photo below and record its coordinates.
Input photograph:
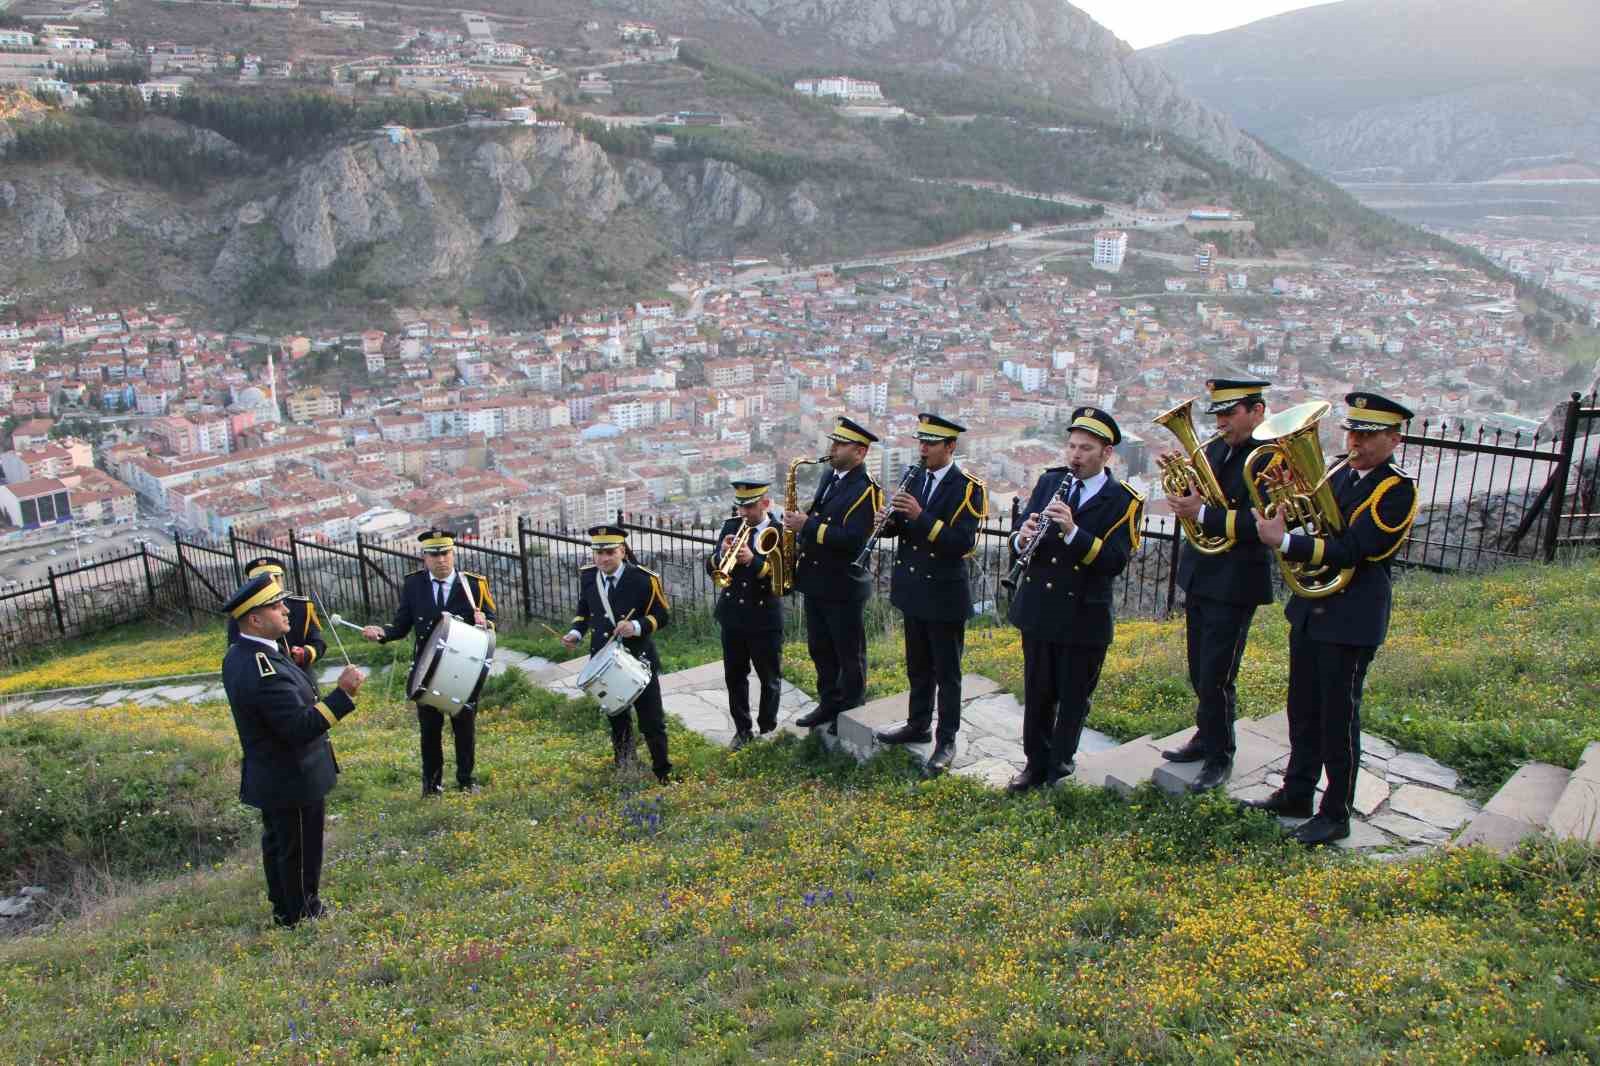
(860, 563)
(1025, 556)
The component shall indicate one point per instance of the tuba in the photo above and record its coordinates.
(789, 544)
(1193, 471)
(1293, 481)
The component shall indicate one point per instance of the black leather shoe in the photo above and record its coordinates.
(1193, 751)
(741, 740)
(429, 791)
(814, 719)
(1060, 772)
(766, 727)
(663, 777)
(1283, 805)
(944, 753)
(1028, 778)
(1322, 830)
(904, 733)
(1214, 774)
(469, 788)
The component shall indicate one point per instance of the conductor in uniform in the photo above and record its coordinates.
(282, 722)
(1221, 591)
(750, 611)
(617, 596)
(303, 643)
(1332, 639)
(426, 596)
(830, 534)
(936, 519)
(1062, 603)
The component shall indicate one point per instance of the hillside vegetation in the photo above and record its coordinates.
(783, 903)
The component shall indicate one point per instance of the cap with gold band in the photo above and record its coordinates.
(1367, 412)
(264, 565)
(262, 590)
(436, 541)
(607, 536)
(936, 430)
(1225, 392)
(1100, 423)
(849, 431)
(748, 492)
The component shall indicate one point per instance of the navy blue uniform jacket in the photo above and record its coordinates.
(282, 722)
(638, 590)
(748, 605)
(305, 629)
(930, 562)
(1243, 574)
(834, 535)
(418, 613)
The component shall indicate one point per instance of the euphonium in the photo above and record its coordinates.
(1293, 481)
(789, 544)
(1193, 471)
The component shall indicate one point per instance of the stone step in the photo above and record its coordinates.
(1521, 808)
(1577, 813)
(1254, 754)
(1122, 768)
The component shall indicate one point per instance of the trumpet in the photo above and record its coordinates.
(860, 562)
(722, 574)
(1193, 471)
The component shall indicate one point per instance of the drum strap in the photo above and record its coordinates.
(606, 582)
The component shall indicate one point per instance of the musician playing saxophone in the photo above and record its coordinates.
(831, 533)
(1221, 590)
(750, 611)
(936, 518)
(1089, 522)
(618, 596)
(1332, 639)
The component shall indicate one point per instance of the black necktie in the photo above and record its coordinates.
(1074, 497)
(609, 579)
(438, 593)
(927, 488)
(827, 490)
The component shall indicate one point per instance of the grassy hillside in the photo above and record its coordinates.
(785, 904)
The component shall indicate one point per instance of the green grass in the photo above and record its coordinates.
(786, 904)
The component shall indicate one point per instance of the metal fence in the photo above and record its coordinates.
(1484, 499)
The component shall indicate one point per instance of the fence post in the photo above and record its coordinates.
(1558, 488)
(233, 555)
(183, 572)
(1172, 568)
(361, 572)
(294, 559)
(149, 578)
(522, 563)
(55, 599)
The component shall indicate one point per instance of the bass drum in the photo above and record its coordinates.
(616, 677)
(452, 666)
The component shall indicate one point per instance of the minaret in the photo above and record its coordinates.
(272, 384)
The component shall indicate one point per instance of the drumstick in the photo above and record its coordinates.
(552, 631)
(335, 619)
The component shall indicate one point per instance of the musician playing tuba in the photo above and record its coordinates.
(1222, 588)
(936, 518)
(750, 607)
(1333, 637)
(830, 534)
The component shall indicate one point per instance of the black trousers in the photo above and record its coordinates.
(652, 723)
(1325, 682)
(1217, 633)
(464, 728)
(836, 636)
(291, 853)
(1057, 682)
(740, 650)
(933, 665)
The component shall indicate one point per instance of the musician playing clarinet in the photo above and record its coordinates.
(1080, 527)
(619, 597)
(429, 594)
(936, 518)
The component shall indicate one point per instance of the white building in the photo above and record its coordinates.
(16, 39)
(1110, 249)
(842, 87)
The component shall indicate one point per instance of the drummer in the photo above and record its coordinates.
(618, 596)
(428, 594)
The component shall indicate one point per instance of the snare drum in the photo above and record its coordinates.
(616, 677)
(452, 666)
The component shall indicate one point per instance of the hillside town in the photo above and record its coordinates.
(450, 421)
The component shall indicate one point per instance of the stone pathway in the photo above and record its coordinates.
(1405, 802)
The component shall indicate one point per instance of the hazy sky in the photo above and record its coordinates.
(1145, 22)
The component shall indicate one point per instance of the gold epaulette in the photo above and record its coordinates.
(473, 573)
(586, 566)
(1135, 493)
(647, 570)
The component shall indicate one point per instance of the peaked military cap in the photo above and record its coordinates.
(264, 565)
(1226, 392)
(749, 491)
(1366, 412)
(936, 430)
(436, 541)
(849, 431)
(262, 590)
(1100, 423)
(607, 536)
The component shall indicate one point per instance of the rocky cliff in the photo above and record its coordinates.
(1047, 45)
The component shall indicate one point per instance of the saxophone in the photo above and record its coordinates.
(789, 544)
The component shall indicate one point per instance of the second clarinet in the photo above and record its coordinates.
(910, 475)
(1025, 553)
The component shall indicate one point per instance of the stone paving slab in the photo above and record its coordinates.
(1363, 837)
(179, 693)
(1577, 814)
(1589, 763)
(1273, 727)
(1121, 769)
(1254, 753)
(1410, 766)
(1443, 810)
(995, 773)
(1497, 832)
(1409, 829)
(110, 697)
